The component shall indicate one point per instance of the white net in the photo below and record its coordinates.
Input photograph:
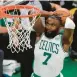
(19, 30)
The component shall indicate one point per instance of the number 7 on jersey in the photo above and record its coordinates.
(48, 57)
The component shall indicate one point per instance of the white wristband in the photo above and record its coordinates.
(69, 23)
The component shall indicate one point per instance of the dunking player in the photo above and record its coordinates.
(52, 47)
(29, 54)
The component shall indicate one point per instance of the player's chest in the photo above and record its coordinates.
(45, 45)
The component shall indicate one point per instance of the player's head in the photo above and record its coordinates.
(53, 23)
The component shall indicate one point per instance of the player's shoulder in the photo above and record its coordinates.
(57, 37)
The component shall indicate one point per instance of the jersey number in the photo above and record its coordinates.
(48, 57)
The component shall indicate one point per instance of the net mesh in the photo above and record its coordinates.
(19, 29)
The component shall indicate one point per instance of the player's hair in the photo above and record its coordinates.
(56, 17)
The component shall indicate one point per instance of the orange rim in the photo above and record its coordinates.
(12, 7)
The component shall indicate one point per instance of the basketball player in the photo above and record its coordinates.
(29, 54)
(52, 48)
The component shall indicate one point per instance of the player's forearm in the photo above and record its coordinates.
(46, 13)
(38, 27)
(68, 36)
(3, 29)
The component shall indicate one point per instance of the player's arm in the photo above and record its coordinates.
(45, 13)
(55, 6)
(68, 34)
(38, 27)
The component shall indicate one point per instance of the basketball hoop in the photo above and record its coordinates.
(19, 31)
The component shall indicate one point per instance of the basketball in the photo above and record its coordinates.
(63, 13)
